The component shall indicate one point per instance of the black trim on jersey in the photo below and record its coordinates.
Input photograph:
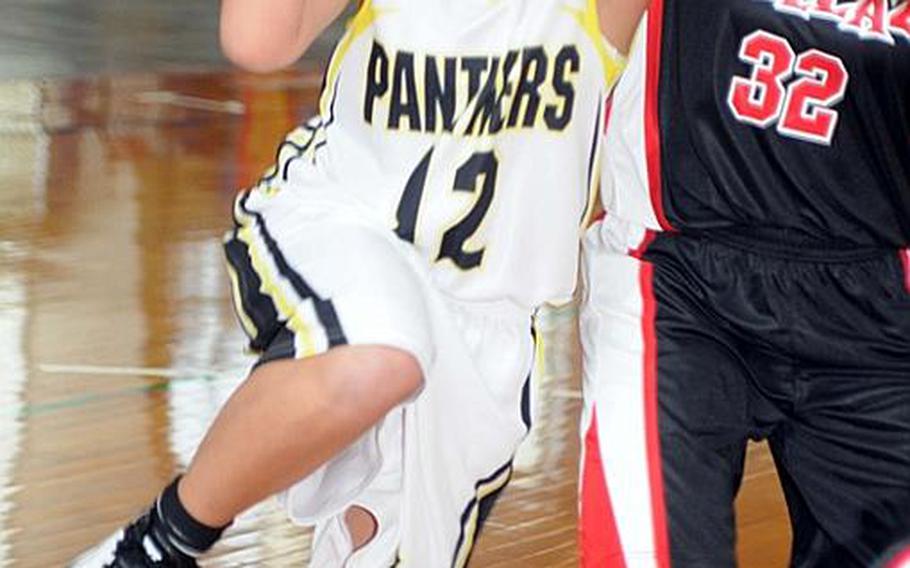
(280, 348)
(282, 170)
(598, 128)
(334, 100)
(526, 389)
(325, 71)
(323, 126)
(526, 403)
(301, 150)
(325, 310)
(257, 306)
(483, 510)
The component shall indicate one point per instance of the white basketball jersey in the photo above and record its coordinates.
(469, 127)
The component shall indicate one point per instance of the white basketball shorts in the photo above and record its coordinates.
(311, 274)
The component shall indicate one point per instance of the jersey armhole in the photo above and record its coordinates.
(613, 61)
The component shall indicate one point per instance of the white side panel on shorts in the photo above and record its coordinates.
(614, 383)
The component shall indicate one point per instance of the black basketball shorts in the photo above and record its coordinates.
(698, 343)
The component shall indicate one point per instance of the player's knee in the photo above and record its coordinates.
(394, 370)
(377, 373)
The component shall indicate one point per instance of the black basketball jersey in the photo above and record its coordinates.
(769, 114)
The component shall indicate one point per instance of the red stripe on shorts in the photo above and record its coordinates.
(598, 535)
(646, 241)
(902, 560)
(652, 432)
(905, 262)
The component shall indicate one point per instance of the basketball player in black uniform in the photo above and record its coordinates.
(750, 280)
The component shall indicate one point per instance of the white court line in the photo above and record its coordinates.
(571, 394)
(280, 83)
(160, 372)
(189, 101)
(758, 474)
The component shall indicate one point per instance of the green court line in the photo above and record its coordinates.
(82, 400)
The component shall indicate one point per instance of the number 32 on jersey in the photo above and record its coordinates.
(798, 93)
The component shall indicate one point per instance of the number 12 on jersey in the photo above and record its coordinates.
(802, 108)
(480, 165)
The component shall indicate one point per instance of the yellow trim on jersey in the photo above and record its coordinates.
(612, 60)
(470, 528)
(245, 320)
(361, 21)
(271, 288)
(303, 336)
(540, 367)
(288, 150)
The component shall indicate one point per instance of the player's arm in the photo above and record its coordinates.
(266, 35)
(619, 19)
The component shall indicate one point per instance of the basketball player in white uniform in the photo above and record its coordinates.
(387, 270)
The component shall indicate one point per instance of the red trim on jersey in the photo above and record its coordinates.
(639, 251)
(902, 560)
(652, 119)
(608, 112)
(598, 203)
(598, 535)
(652, 433)
(905, 262)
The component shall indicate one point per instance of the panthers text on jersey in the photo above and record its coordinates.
(470, 128)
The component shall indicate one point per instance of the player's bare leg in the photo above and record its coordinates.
(282, 423)
(361, 524)
(288, 418)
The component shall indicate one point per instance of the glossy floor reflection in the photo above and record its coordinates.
(76, 38)
(118, 343)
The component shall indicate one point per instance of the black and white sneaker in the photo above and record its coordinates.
(141, 544)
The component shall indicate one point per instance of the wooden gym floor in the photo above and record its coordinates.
(124, 136)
